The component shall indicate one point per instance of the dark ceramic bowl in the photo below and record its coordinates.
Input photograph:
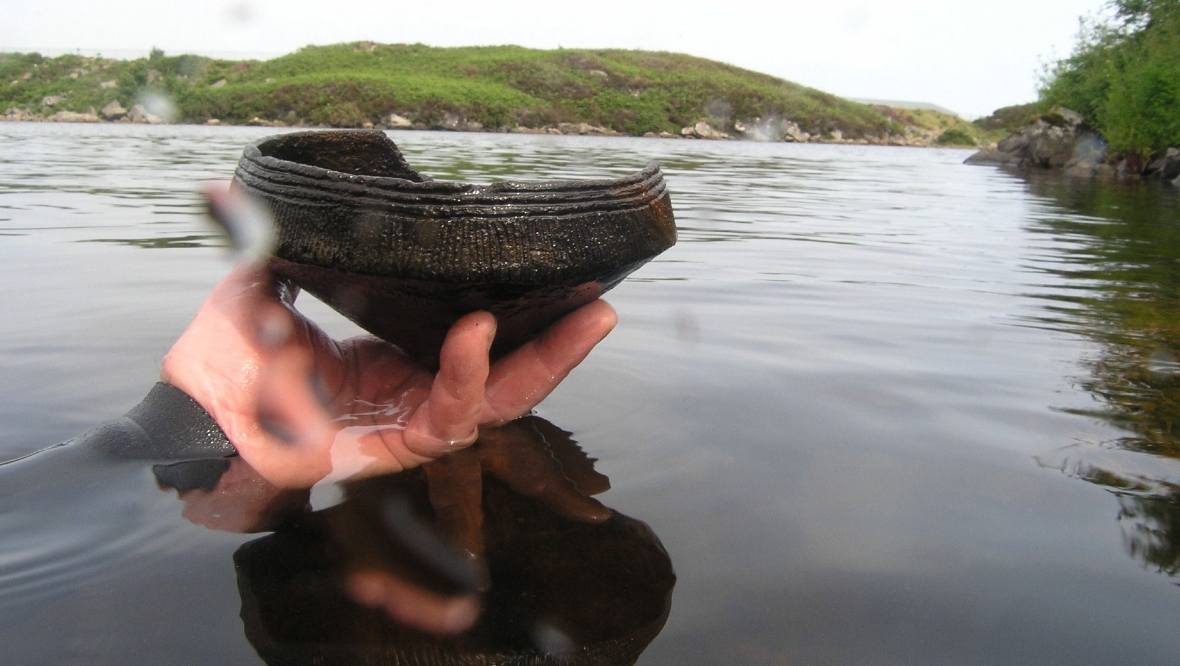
(404, 256)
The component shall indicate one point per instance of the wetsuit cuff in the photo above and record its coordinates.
(175, 426)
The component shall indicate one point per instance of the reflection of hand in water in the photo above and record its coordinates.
(530, 456)
(562, 591)
(227, 494)
(533, 458)
(300, 406)
(239, 499)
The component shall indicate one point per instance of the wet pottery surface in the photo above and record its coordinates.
(404, 256)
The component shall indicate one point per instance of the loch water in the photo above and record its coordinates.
(879, 407)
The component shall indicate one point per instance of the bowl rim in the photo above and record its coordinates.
(537, 233)
(253, 153)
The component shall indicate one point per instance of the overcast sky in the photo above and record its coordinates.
(971, 57)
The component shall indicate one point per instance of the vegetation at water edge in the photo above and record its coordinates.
(492, 88)
(1008, 119)
(1124, 76)
(955, 137)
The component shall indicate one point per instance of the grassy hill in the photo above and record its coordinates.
(493, 88)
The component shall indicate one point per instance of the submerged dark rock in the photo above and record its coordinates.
(405, 256)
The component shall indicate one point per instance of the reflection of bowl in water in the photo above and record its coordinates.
(404, 256)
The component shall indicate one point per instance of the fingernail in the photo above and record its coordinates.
(276, 428)
(463, 441)
(598, 514)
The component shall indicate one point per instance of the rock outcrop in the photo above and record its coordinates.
(74, 117)
(1059, 139)
(394, 121)
(139, 114)
(1166, 167)
(264, 122)
(703, 130)
(454, 123)
(771, 129)
(113, 111)
(586, 129)
(581, 129)
(16, 114)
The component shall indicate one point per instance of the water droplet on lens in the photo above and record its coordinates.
(550, 639)
(1163, 363)
(248, 224)
(160, 105)
(688, 327)
(274, 330)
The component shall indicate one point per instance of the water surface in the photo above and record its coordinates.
(879, 407)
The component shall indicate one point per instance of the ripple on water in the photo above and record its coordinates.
(68, 516)
(840, 400)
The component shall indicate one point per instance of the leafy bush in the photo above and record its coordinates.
(1124, 76)
(1008, 119)
(955, 137)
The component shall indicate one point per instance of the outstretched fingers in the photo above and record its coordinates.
(449, 417)
(525, 377)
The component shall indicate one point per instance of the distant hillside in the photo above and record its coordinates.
(927, 106)
(499, 88)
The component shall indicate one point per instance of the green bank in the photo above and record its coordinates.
(494, 88)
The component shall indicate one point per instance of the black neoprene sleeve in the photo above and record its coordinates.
(166, 425)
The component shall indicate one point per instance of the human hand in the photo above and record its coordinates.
(301, 407)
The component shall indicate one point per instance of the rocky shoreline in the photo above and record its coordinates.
(757, 129)
(1062, 141)
(113, 112)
